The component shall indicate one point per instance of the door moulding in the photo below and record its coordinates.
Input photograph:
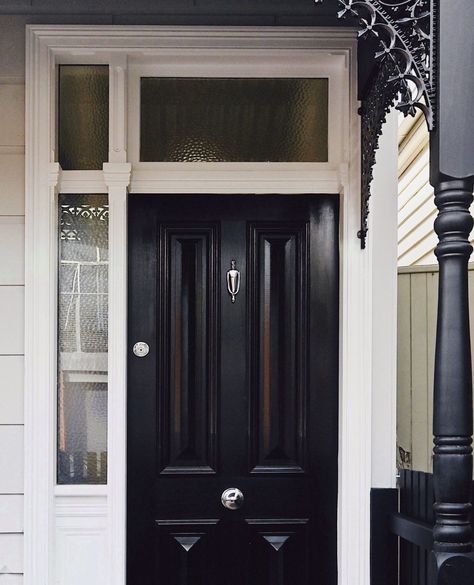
(119, 46)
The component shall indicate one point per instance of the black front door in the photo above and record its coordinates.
(235, 392)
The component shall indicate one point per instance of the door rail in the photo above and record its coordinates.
(414, 531)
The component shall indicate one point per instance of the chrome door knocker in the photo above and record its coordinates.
(233, 281)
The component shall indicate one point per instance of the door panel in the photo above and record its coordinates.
(188, 309)
(279, 551)
(278, 341)
(233, 394)
(186, 552)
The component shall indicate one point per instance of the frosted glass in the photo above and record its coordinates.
(83, 135)
(82, 339)
(247, 120)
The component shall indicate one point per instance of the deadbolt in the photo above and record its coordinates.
(232, 498)
(141, 349)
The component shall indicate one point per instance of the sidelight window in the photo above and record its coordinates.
(82, 339)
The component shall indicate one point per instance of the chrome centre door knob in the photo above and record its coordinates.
(232, 498)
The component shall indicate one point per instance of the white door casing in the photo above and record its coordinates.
(70, 529)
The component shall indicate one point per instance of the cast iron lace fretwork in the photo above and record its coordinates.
(374, 109)
(405, 77)
(404, 30)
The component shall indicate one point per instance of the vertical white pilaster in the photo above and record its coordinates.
(355, 373)
(117, 173)
(42, 178)
(117, 179)
(118, 108)
(382, 245)
(355, 399)
(40, 376)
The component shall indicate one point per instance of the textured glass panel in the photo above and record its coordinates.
(83, 116)
(82, 338)
(248, 120)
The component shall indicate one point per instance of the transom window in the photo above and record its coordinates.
(233, 120)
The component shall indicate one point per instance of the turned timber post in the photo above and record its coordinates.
(453, 389)
(452, 175)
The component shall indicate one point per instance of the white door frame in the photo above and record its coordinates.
(59, 519)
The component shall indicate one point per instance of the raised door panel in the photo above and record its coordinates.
(279, 551)
(186, 552)
(278, 346)
(188, 364)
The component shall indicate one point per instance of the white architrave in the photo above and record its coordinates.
(124, 48)
(117, 179)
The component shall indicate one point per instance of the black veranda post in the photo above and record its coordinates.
(452, 175)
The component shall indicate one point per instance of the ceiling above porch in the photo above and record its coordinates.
(192, 12)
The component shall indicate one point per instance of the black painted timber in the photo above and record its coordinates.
(324, 13)
(383, 543)
(452, 176)
(414, 525)
(413, 531)
(416, 503)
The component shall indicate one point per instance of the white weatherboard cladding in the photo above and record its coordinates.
(11, 513)
(11, 561)
(12, 101)
(11, 389)
(12, 579)
(12, 250)
(12, 301)
(12, 173)
(71, 530)
(12, 266)
(11, 459)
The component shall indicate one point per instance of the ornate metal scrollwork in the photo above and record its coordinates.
(405, 34)
(404, 30)
(374, 109)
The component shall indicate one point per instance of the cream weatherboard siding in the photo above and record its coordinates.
(417, 297)
(416, 208)
(417, 306)
(12, 234)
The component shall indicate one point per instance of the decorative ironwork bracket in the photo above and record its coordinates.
(405, 33)
(404, 30)
(374, 109)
